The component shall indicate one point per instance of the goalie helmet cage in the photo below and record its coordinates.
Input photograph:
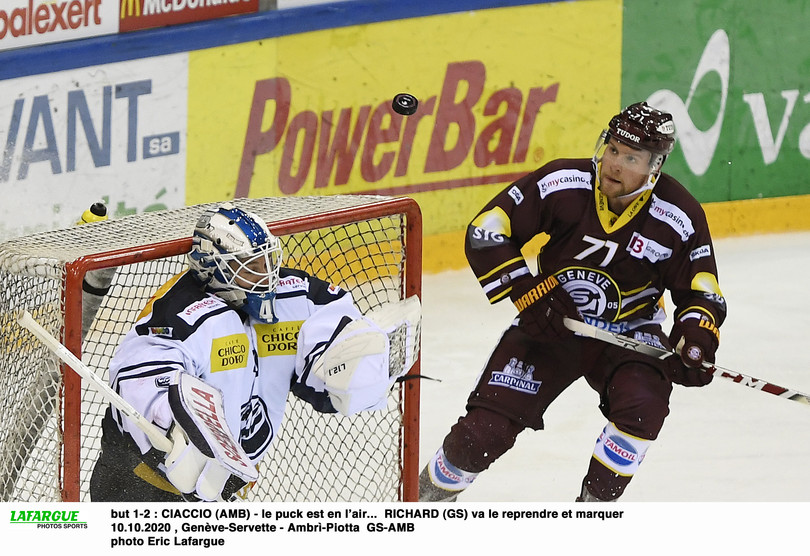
(50, 425)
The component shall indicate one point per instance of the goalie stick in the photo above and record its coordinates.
(156, 436)
(659, 353)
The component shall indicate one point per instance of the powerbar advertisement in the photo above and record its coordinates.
(289, 123)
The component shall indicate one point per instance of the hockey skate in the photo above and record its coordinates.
(429, 492)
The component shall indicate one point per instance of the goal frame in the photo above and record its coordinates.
(76, 270)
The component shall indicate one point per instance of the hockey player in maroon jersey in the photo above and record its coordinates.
(620, 233)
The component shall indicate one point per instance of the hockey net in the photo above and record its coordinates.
(50, 425)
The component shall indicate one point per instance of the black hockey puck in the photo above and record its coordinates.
(404, 104)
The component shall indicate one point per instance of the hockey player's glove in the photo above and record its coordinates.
(542, 304)
(695, 341)
(364, 357)
(206, 461)
(197, 476)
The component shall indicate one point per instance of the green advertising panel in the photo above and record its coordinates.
(735, 74)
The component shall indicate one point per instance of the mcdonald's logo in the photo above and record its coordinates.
(130, 8)
(145, 14)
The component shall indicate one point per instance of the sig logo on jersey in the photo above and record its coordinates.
(489, 229)
(229, 352)
(280, 338)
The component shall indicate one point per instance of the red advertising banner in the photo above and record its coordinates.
(145, 14)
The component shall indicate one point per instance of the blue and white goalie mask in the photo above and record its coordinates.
(237, 258)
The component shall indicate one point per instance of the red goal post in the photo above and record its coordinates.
(49, 436)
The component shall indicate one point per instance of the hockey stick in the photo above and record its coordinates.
(156, 436)
(660, 353)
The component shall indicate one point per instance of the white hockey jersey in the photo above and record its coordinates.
(255, 365)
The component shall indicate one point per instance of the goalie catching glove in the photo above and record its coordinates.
(369, 354)
(695, 340)
(206, 462)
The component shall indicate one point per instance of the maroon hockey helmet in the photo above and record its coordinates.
(642, 126)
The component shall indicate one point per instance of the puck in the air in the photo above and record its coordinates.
(404, 104)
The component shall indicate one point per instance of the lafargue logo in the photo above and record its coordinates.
(594, 292)
(48, 519)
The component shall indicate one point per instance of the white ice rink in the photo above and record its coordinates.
(721, 443)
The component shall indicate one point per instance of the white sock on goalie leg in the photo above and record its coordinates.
(441, 481)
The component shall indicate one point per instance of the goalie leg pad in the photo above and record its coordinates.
(211, 483)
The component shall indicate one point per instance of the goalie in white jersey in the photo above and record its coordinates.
(215, 353)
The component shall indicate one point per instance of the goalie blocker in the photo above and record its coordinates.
(206, 461)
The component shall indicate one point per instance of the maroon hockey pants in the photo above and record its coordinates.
(523, 377)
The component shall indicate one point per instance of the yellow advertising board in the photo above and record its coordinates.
(501, 92)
